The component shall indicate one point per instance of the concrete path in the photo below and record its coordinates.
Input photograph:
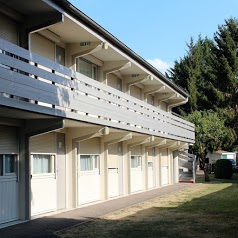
(46, 226)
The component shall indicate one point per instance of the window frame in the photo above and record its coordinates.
(94, 68)
(94, 168)
(11, 174)
(58, 47)
(53, 164)
(138, 162)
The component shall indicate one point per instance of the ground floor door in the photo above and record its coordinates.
(151, 168)
(164, 175)
(88, 171)
(9, 190)
(43, 184)
(136, 174)
(151, 180)
(48, 168)
(115, 183)
(164, 167)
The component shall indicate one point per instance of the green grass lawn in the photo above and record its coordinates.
(204, 210)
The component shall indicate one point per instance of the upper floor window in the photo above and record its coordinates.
(87, 68)
(60, 55)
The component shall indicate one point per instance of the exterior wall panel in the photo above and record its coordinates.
(45, 143)
(8, 29)
(8, 140)
(42, 46)
(135, 92)
(90, 146)
(136, 150)
(114, 82)
(163, 106)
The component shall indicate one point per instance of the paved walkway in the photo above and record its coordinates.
(46, 226)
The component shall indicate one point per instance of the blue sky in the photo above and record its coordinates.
(158, 30)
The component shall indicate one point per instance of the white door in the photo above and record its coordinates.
(8, 188)
(9, 194)
(150, 175)
(43, 184)
(115, 185)
(88, 178)
(164, 175)
(136, 174)
(43, 173)
(113, 182)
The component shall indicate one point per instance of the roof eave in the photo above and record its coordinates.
(114, 41)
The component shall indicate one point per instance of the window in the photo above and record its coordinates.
(1, 165)
(135, 161)
(86, 68)
(89, 162)
(43, 163)
(7, 164)
(60, 55)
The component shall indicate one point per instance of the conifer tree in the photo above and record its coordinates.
(209, 73)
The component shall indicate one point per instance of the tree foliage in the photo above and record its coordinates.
(209, 73)
(210, 131)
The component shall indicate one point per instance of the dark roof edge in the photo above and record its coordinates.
(114, 41)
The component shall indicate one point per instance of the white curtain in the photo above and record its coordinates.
(42, 164)
(133, 162)
(86, 163)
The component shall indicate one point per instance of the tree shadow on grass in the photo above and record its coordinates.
(210, 216)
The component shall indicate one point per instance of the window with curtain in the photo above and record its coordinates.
(1, 165)
(86, 68)
(135, 161)
(7, 164)
(43, 163)
(89, 162)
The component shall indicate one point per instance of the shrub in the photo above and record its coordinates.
(223, 169)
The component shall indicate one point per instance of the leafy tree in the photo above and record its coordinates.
(211, 133)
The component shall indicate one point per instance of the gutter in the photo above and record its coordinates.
(66, 5)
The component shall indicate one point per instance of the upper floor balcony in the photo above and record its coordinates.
(34, 83)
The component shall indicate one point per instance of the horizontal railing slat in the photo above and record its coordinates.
(75, 93)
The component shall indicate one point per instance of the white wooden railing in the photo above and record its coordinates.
(31, 82)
